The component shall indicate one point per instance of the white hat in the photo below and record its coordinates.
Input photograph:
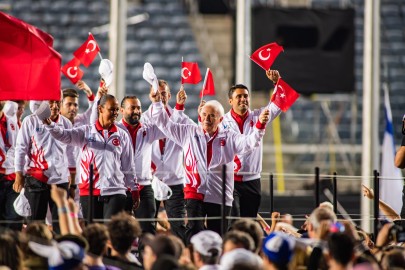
(150, 76)
(10, 108)
(204, 241)
(21, 205)
(161, 191)
(63, 255)
(238, 256)
(105, 69)
(43, 111)
(34, 105)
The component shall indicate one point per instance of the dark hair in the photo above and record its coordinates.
(123, 230)
(38, 232)
(213, 258)
(103, 100)
(125, 99)
(165, 262)
(69, 92)
(241, 239)
(234, 87)
(163, 245)
(252, 228)
(97, 236)
(10, 253)
(341, 248)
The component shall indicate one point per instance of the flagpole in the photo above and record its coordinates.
(181, 72)
(205, 82)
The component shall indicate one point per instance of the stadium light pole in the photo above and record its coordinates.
(117, 44)
(243, 42)
(371, 102)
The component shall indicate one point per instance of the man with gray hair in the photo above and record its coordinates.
(207, 148)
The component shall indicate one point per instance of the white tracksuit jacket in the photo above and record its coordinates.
(7, 148)
(169, 162)
(201, 178)
(111, 151)
(38, 154)
(142, 142)
(248, 166)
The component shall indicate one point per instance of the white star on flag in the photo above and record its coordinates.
(282, 95)
(87, 51)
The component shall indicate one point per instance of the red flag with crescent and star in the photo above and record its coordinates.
(190, 73)
(29, 66)
(284, 96)
(265, 55)
(72, 70)
(88, 51)
(208, 86)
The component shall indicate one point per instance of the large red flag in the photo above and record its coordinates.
(284, 96)
(190, 73)
(265, 56)
(208, 86)
(88, 51)
(30, 67)
(72, 70)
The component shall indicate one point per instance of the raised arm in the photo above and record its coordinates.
(75, 136)
(174, 131)
(384, 207)
(246, 143)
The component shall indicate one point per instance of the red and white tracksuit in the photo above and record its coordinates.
(205, 155)
(8, 137)
(38, 154)
(110, 150)
(167, 156)
(248, 166)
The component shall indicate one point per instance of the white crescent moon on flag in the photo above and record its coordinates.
(93, 43)
(70, 74)
(262, 57)
(182, 73)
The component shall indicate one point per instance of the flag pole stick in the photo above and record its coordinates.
(181, 72)
(205, 81)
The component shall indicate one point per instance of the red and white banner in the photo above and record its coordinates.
(266, 55)
(30, 67)
(284, 96)
(190, 73)
(88, 51)
(72, 70)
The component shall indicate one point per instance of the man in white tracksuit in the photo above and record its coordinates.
(40, 161)
(248, 166)
(8, 136)
(142, 136)
(167, 162)
(109, 148)
(207, 148)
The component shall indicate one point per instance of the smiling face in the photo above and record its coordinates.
(210, 119)
(55, 109)
(131, 111)
(108, 112)
(240, 101)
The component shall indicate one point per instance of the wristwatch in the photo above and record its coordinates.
(73, 186)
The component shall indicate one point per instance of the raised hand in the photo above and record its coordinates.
(273, 75)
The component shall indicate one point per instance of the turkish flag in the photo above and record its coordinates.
(265, 56)
(72, 70)
(190, 73)
(284, 96)
(29, 66)
(208, 86)
(88, 51)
